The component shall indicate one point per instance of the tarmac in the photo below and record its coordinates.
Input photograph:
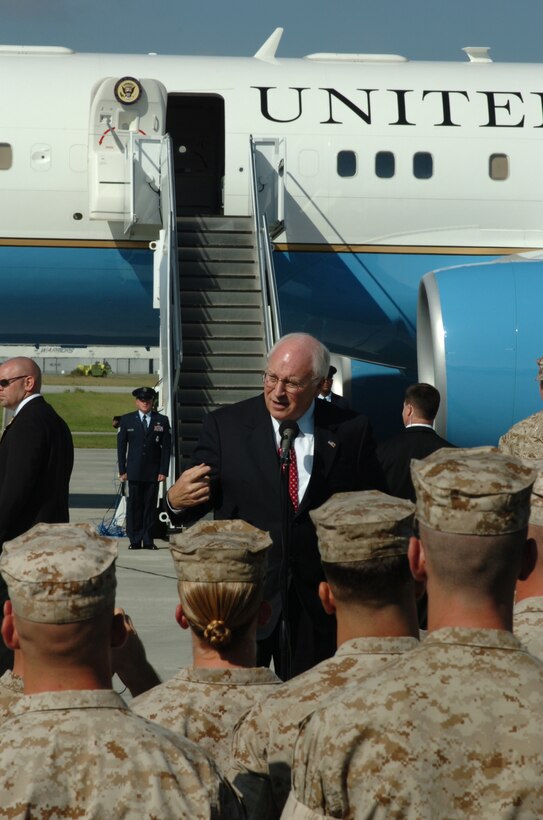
(146, 581)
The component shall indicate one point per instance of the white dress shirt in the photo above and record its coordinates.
(304, 445)
(25, 401)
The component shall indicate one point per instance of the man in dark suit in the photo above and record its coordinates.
(417, 440)
(143, 451)
(326, 390)
(235, 472)
(36, 459)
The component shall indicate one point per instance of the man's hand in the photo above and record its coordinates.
(161, 477)
(191, 488)
(123, 476)
(129, 661)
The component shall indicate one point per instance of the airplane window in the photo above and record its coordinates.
(423, 165)
(498, 166)
(385, 164)
(6, 156)
(346, 163)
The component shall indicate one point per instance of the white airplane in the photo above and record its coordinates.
(379, 177)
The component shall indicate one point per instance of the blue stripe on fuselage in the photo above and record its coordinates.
(60, 295)
(361, 305)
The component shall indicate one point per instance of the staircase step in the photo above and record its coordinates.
(190, 254)
(191, 430)
(239, 314)
(194, 414)
(217, 239)
(223, 347)
(217, 396)
(221, 379)
(232, 364)
(202, 268)
(219, 282)
(219, 298)
(214, 223)
(193, 329)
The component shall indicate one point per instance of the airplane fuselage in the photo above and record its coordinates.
(386, 169)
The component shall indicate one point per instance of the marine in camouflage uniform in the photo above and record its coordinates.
(204, 704)
(86, 752)
(82, 752)
(454, 728)
(525, 439)
(355, 531)
(528, 611)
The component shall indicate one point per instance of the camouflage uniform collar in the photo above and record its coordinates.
(69, 699)
(12, 682)
(238, 676)
(484, 638)
(527, 605)
(376, 646)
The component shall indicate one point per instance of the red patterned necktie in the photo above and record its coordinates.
(292, 478)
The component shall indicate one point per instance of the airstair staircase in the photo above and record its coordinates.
(214, 283)
(222, 320)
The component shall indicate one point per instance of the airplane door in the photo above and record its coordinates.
(196, 126)
(123, 113)
(270, 161)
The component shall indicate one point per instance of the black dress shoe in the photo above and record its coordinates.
(150, 547)
(134, 546)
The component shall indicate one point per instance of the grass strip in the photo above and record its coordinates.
(85, 411)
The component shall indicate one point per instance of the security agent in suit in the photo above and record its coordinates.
(417, 440)
(235, 473)
(143, 451)
(326, 390)
(36, 461)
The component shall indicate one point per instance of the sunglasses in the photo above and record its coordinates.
(7, 382)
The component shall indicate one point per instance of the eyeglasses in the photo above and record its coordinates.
(270, 380)
(7, 382)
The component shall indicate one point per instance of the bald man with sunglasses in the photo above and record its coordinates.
(36, 460)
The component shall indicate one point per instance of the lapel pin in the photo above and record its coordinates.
(332, 443)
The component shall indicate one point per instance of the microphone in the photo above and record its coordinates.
(288, 430)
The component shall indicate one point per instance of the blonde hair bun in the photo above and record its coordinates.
(217, 633)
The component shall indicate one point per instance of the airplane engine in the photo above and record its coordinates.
(478, 338)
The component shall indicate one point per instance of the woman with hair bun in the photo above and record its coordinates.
(221, 566)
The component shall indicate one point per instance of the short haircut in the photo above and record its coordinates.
(377, 582)
(478, 563)
(424, 398)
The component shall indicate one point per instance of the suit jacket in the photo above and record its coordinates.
(238, 442)
(339, 401)
(144, 456)
(36, 460)
(395, 456)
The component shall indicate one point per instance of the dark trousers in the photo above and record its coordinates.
(310, 644)
(141, 506)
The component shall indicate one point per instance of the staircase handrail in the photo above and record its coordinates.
(271, 281)
(168, 291)
(268, 283)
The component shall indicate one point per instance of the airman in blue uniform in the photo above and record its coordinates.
(143, 451)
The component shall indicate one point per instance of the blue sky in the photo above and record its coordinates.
(418, 29)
